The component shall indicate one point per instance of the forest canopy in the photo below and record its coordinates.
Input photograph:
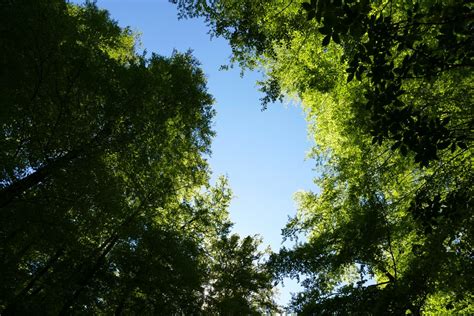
(105, 201)
(387, 87)
(106, 205)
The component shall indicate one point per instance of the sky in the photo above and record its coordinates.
(261, 152)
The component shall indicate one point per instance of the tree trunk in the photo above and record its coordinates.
(10, 309)
(104, 250)
(88, 276)
(17, 188)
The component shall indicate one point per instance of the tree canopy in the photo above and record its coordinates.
(106, 205)
(388, 89)
(105, 201)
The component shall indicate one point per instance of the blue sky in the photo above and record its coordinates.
(261, 152)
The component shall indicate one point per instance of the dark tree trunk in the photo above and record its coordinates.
(19, 187)
(43, 173)
(10, 309)
(87, 277)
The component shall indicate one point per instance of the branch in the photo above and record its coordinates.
(281, 11)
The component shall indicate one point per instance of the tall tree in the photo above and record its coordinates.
(105, 202)
(387, 88)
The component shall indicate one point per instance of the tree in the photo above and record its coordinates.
(240, 281)
(105, 201)
(387, 88)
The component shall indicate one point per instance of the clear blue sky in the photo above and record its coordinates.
(262, 153)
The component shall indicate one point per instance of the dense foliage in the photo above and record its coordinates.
(387, 86)
(105, 206)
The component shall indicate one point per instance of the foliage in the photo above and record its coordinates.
(105, 204)
(241, 282)
(387, 88)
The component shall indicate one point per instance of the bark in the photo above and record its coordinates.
(42, 174)
(8, 194)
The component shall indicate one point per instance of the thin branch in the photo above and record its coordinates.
(281, 11)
